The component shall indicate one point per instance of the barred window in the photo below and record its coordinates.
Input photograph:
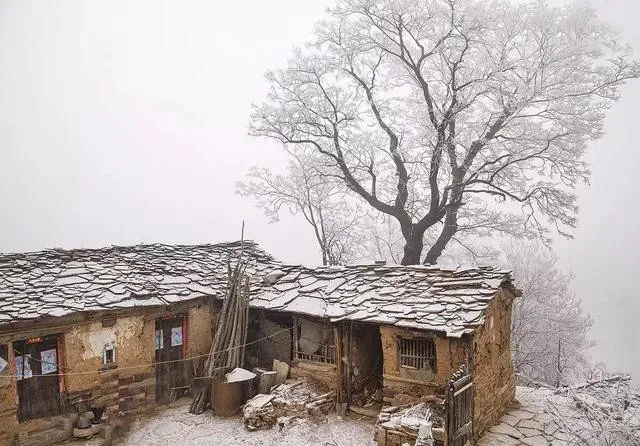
(419, 354)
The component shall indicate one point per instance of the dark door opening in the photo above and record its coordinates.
(362, 349)
(38, 377)
(171, 381)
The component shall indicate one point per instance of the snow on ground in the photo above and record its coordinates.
(543, 417)
(176, 426)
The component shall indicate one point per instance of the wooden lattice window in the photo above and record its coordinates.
(417, 353)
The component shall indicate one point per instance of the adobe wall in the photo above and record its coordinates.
(200, 322)
(323, 375)
(124, 388)
(450, 355)
(8, 397)
(270, 337)
(494, 379)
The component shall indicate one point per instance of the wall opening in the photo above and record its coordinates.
(171, 373)
(38, 376)
(314, 341)
(270, 337)
(366, 359)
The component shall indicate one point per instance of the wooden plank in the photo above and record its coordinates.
(464, 430)
(349, 384)
(339, 365)
(462, 389)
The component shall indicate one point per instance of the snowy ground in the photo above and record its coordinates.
(542, 418)
(175, 426)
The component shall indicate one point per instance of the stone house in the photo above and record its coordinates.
(83, 328)
(127, 328)
(408, 328)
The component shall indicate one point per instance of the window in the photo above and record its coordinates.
(109, 354)
(418, 354)
(313, 341)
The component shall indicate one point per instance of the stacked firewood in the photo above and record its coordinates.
(286, 402)
(227, 349)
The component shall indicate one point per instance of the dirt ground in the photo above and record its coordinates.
(175, 426)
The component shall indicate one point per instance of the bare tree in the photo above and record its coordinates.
(306, 190)
(452, 114)
(549, 331)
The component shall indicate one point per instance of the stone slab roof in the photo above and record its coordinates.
(60, 282)
(452, 301)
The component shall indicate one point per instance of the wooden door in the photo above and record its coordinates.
(171, 382)
(38, 377)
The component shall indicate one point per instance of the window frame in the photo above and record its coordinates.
(112, 349)
(421, 353)
(329, 352)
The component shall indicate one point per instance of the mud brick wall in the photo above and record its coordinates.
(494, 378)
(270, 336)
(323, 375)
(450, 355)
(8, 398)
(116, 386)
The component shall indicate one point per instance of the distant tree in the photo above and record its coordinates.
(451, 114)
(307, 191)
(549, 331)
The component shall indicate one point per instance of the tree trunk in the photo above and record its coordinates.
(449, 230)
(413, 249)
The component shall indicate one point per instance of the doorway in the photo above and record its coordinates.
(38, 376)
(171, 381)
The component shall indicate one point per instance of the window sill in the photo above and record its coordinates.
(107, 367)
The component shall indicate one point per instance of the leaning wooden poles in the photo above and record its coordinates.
(228, 346)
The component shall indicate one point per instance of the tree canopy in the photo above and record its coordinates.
(451, 116)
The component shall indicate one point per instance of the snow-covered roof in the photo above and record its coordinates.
(59, 282)
(452, 301)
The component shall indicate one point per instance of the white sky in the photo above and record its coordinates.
(126, 121)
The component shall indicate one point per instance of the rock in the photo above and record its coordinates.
(282, 371)
(491, 439)
(530, 424)
(528, 432)
(505, 429)
(538, 440)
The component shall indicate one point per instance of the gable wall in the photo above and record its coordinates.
(494, 379)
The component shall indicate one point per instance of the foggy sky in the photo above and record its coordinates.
(124, 122)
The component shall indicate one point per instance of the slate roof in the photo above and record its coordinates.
(452, 301)
(60, 282)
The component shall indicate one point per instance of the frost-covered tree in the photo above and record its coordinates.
(549, 330)
(451, 114)
(600, 412)
(306, 190)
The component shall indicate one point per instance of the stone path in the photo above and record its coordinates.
(528, 424)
